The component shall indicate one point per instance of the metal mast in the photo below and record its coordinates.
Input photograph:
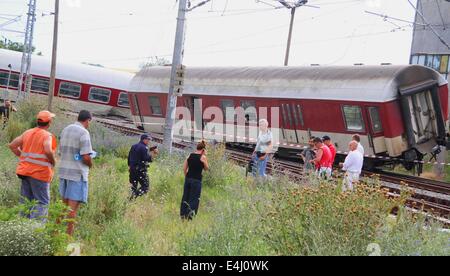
(177, 73)
(25, 67)
(51, 90)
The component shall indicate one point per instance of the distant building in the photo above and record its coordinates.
(427, 49)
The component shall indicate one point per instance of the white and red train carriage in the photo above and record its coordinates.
(100, 90)
(399, 111)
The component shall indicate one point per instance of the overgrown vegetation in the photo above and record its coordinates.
(237, 216)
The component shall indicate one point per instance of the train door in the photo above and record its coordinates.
(290, 122)
(422, 115)
(375, 130)
(140, 123)
(195, 106)
(250, 127)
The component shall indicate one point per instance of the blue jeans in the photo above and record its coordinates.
(260, 166)
(39, 191)
(191, 198)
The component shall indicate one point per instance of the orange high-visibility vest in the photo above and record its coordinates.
(33, 161)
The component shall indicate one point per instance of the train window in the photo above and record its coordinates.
(99, 95)
(374, 113)
(448, 70)
(294, 113)
(13, 79)
(283, 113)
(353, 118)
(444, 64)
(414, 59)
(288, 110)
(249, 107)
(71, 90)
(429, 61)
(40, 85)
(436, 62)
(123, 100)
(421, 60)
(300, 115)
(228, 110)
(155, 105)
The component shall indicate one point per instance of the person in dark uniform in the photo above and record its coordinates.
(139, 158)
(5, 112)
(193, 169)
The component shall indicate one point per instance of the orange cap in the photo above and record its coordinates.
(45, 116)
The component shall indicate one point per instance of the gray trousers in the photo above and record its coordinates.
(38, 191)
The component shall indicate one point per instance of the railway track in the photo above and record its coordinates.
(429, 195)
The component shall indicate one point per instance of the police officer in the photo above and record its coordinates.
(138, 162)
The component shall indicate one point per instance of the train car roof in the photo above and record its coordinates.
(349, 83)
(80, 73)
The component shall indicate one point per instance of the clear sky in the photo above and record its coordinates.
(123, 34)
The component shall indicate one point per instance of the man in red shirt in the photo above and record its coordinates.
(323, 158)
(327, 141)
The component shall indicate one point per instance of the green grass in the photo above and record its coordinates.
(237, 216)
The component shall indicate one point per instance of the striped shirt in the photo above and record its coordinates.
(75, 139)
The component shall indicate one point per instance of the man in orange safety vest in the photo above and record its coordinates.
(36, 151)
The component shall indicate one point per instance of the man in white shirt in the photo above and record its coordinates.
(357, 138)
(353, 165)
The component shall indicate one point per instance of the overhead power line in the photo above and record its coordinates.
(441, 39)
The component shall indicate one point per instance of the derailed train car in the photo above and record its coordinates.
(400, 112)
(100, 90)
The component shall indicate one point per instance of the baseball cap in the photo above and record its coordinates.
(45, 116)
(146, 136)
(326, 138)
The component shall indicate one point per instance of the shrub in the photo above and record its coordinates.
(25, 117)
(23, 238)
(411, 235)
(221, 171)
(51, 234)
(9, 191)
(121, 239)
(234, 233)
(109, 193)
(325, 221)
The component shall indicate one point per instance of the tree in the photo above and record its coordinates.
(155, 61)
(14, 46)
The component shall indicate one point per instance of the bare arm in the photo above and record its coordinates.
(87, 160)
(16, 145)
(185, 167)
(205, 163)
(318, 156)
(270, 147)
(49, 151)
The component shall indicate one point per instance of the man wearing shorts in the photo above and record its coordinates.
(75, 150)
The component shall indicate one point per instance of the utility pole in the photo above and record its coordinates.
(51, 91)
(291, 27)
(25, 66)
(7, 83)
(176, 63)
(292, 7)
(176, 82)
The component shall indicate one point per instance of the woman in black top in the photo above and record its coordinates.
(193, 168)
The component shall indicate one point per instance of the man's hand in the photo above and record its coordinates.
(87, 160)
